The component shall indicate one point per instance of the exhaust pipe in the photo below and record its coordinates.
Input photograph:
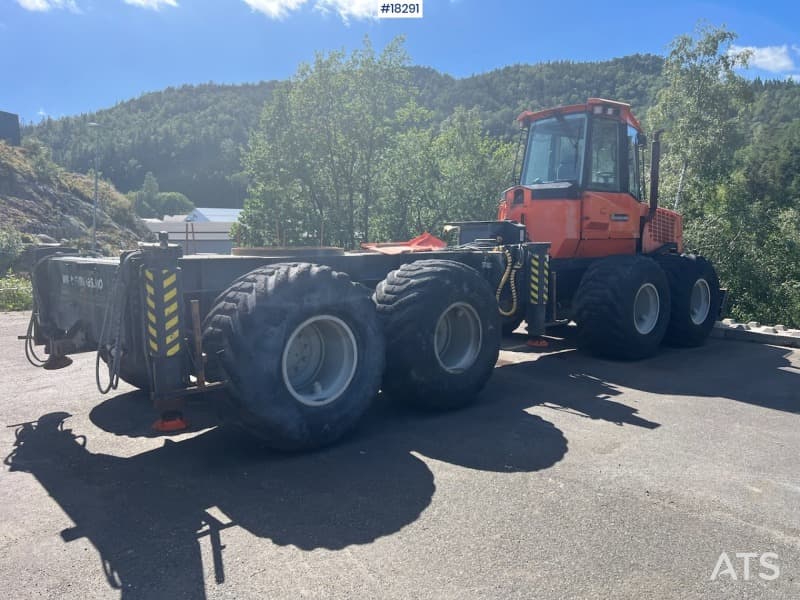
(655, 159)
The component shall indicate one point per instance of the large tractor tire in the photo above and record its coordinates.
(622, 307)
(694, 287)
(442, 333)
(302, 349)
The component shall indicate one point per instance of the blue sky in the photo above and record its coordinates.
(64, 57)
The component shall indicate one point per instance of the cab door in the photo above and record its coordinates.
(611, 200)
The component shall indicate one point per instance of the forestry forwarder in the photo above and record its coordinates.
(615, 261)
(300, 344)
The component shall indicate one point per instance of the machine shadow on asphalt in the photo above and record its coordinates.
(143, 513)
(568, 379)
(147, 514)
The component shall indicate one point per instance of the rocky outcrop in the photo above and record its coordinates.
(36, 197)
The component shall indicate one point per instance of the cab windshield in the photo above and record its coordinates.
(555, 150)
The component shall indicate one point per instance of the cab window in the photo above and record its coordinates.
(555, 150)
(634, 168)
(604, 171)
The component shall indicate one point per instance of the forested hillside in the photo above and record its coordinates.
(38, 197)
(191, 137)
(502, 94)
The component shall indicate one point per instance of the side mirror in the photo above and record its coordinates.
(641, 139)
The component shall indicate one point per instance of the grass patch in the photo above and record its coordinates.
(15, 293)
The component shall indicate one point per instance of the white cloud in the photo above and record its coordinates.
(350, 9)
(275, 9)
(775, 59)
(45, 5)
(346, 9)
(152, 4)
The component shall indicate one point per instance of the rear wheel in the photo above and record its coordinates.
(622, 307)
(303, 352)
(442, 333)
(694, 287)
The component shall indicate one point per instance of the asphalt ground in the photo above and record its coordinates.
(572, 477)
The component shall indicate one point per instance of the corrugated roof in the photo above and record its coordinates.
(203, 230)
(180, 218)
(219, 215)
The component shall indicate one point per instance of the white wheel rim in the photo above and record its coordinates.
(319, 360)
(458, 337)
(646, 307)
(700, 302)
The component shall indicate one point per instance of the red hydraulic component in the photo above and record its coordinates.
(422, 243)
(538, 342)
(170, 422)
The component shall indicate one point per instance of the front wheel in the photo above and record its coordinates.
(303, 352)
(622, 307)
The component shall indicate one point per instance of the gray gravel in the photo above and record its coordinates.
(571, 478)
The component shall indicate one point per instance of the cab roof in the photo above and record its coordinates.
(617, 109)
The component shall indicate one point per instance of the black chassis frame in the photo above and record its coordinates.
(72, 296)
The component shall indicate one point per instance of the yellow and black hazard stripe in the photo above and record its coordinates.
(535, 266)
(163, 315)
(540, 279)
(545, 279)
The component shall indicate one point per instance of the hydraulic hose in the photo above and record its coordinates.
(509, 276)
(30, 349)
(112, 358)
(113, 316)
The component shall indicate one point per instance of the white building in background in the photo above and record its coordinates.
(214, 215)
(202, 231)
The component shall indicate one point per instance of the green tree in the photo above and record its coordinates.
(146, 198)
(150, 202)
(150, 187)
(731, 166)
(451, 173)
(474, 168)
(41, 160)
(699, 108)
(315, 158)
(753, 231)
(10, 248)
(171, 203)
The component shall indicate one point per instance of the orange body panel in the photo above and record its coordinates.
(600, 248)
(609, 215)
(554, 221)
(594, 225)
